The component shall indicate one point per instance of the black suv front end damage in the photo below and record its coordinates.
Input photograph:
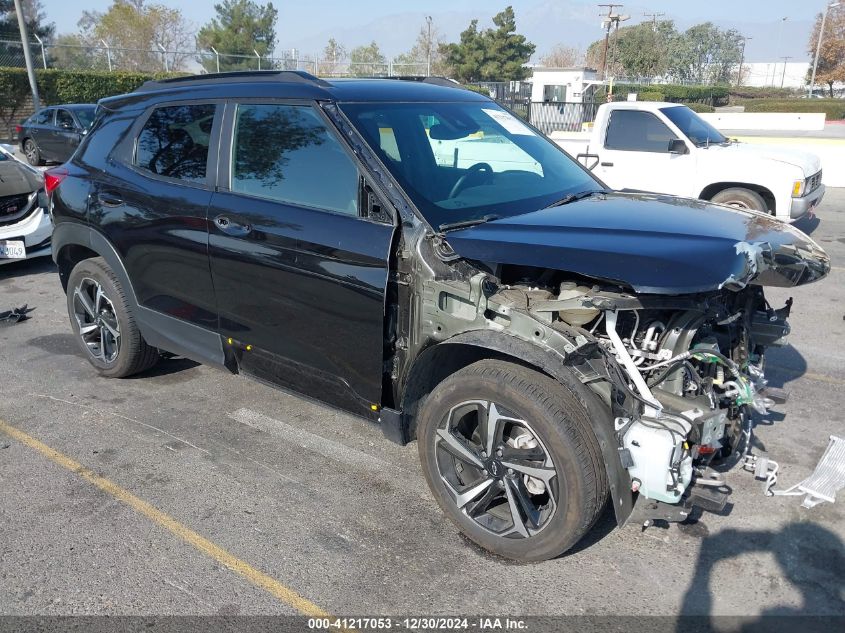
(676, 370)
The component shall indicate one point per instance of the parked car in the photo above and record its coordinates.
(53, 134)
(548, 342)
(668, 148)
(25, 226)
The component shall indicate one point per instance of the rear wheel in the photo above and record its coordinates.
(512, 460)
(32, 153)
(741, 198)
(103, 323)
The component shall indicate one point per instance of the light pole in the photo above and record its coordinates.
(27, 56)
(819, 44)
(428, 46)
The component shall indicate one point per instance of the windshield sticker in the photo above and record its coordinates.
(508, 121)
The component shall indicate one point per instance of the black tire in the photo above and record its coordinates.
(32, 153)
(131, 353)
(561, 424)
(741, 198)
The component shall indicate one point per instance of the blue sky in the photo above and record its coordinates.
(307, 25)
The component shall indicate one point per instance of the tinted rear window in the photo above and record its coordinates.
(174, 142)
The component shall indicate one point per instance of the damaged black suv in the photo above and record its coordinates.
(413, 253)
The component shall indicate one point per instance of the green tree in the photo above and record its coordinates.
(705, 53)
(135, 33)
(495, 54)
(641, 50)
(367, 60)
(71, 52)
(240, 28)
(333, 55)
(831, 66)
(415, 60)
(36, 24)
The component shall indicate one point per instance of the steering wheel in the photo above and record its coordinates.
(472, 172)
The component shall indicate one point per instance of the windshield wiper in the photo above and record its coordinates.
(462, 224)
(572, 197)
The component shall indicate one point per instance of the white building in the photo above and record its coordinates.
(563, 85)
(776, 73)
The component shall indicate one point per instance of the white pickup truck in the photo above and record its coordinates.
(668, 148)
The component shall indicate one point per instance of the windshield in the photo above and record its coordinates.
(465, 161)
(85, 116)
(693, 126)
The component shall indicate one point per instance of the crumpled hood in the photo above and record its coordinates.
(808, 162)
(655, 244)
(16, 178)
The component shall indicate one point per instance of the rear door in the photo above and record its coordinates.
(299, 268)
(41, 131)
(636, 155)
(152, 202)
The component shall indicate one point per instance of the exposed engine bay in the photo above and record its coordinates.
(695, 365)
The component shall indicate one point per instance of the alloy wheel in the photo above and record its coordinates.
(496, 469)
(97, 320)
(30, 151)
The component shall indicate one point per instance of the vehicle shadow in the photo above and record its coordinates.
(166, 366)
(810, 558)
(784, 364)
(807, 224)
(27, 267)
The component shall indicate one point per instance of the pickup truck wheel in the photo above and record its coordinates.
(741, 199)
(103, 323)
(511, 459)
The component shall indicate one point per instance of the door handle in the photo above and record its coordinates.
(230, 227)
(109, 200)
(607, 164)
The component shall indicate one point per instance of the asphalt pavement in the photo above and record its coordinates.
(186, 490)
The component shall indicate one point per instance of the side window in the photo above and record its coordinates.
(64, 119)
(174, 142)
(45, 117)
(287, 153)
(634, 131)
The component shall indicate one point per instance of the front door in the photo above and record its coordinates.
(299, 271)
(636, 155)
(65, 137)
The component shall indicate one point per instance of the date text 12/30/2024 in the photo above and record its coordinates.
(418, 623)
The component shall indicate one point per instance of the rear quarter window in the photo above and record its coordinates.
(174, 141)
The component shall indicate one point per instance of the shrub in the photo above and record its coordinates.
(674, 93)
(833, 108)
(761, 92)
(651, 95)
(700, 107)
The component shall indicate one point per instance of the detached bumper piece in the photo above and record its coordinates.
(15, 315)
(822, 485)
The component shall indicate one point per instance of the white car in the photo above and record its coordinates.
(25, 225)
(668, 148)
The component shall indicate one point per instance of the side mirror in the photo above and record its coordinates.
(677, 146)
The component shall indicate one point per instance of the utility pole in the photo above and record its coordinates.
(818, 44)
(653, 17)
(27, 56)
(428, 46)
(780, 39)
(783, 76)
(741, 61)
(608, 24)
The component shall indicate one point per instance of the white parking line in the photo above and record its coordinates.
(312, 442)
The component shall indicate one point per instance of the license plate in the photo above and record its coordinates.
(12, 249)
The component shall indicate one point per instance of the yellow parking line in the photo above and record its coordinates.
(235, 564)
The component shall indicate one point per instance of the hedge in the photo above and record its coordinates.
(761, 92)
(63, 86)
(673, 93)
(833, 108)
(700, 107)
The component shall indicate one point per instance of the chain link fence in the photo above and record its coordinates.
(108, 58)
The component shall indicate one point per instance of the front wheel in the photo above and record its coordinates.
(103, 323)
(741, 198)
(511, 458)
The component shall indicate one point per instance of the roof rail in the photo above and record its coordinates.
(287, 76)
(433, 80)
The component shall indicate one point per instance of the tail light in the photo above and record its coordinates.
(18, 129)
(54, 177)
